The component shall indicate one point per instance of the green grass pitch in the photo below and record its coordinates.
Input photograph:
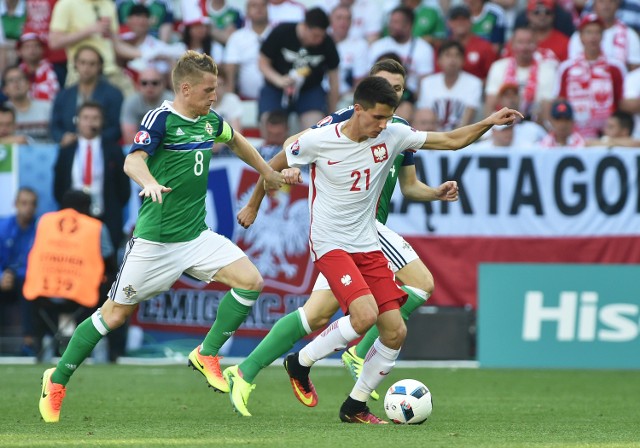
(170, 406)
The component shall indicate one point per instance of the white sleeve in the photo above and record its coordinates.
(632, 85)
(408, 137)
(575, 46)
(474, 100)
(304, 150)
(424, 58)
(634, 47)
(494, 78)
(424, 98)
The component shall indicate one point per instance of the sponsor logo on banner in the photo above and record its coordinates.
(555, 315)
(525, 193)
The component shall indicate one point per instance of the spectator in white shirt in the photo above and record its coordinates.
(452, 94)
(415, 53)
(242, 52)
(619, 42)
(631, 98)
(353, 64)
(281, 11)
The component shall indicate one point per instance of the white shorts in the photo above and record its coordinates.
(149, 268)
(394, 247)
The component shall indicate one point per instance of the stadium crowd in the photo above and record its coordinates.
(572, 67)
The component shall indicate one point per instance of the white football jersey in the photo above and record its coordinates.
(346, 178)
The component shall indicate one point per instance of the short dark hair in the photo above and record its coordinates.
(374, 90)
(278, 117)
(77, 200)
(90, 105)
(82, 48)
(8, 69)
(388, 65)
(139, 9)
(316, 18)
(5, 109)
(406, 12)
(451, 44)
(625, 120)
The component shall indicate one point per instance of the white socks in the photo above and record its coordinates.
(334, 338)
(378, 363)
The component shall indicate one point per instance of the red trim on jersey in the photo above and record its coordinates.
(337, 130)
(313, 198)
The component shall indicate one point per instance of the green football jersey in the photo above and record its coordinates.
(179, 151)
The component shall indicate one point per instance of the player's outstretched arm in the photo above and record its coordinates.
(464, 136)
(415, 190)
(250, 155)
(135, 166)
(247, 215)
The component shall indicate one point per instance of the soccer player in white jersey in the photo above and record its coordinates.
(169, 159)
(321, 305)
(349, 163)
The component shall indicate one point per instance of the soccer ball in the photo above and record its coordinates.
(408, 402)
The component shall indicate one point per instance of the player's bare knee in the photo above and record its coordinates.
(363, 320)
(394, 337)
(251, 283)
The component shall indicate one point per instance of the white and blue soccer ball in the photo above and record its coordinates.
(408, 402)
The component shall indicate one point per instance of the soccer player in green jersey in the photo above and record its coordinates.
(322, 305)
(169, 159)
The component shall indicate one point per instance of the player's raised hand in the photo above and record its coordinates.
(448, 191)
(247, 215)
(505, 116)
(292, 176)
(154, 192)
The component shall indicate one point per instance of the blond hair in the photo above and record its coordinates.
(189, 66)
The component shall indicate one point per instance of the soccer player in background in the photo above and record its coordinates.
(374, 148)
(169, 159)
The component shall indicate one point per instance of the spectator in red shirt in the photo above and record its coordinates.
(540, 15)
(591, 82)
(479, 53)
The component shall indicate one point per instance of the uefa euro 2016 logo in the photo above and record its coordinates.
(142, 138)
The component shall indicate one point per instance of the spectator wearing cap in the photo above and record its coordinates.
(161, 16)
(416, 54)
(478, 52)
(631, 98)
(242, 50)
(590, 82)
(196, 30)
(37, 21)
(488, 22)
(535, 78)
(617, 132)
(32, 116)
(39, 71)
(551, 42)
(562, 131)
(565, 16)
(619, 42)
(452, 94)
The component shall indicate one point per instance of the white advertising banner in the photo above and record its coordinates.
(535, 192)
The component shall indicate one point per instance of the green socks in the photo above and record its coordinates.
(416, 298)
(82, 343)
(232, 311)
(286, 332)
